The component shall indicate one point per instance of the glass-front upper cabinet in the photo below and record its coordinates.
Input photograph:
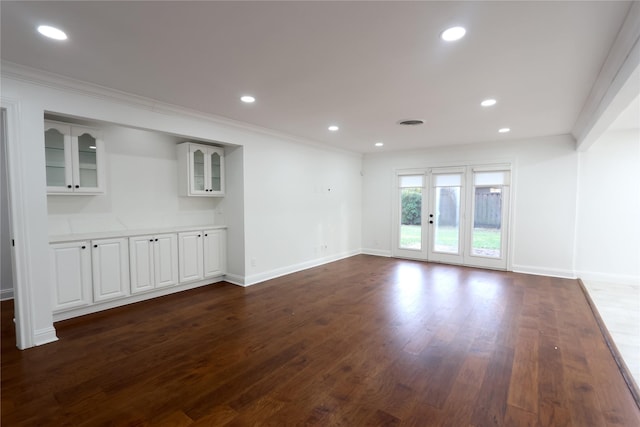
(200, 170)
(215, 175)
(73, 158)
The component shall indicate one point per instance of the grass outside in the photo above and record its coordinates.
(483, 238)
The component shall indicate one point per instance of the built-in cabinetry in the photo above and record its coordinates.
(91, 273)
(110, 266)
(200, 170)
(153, 261)
(70, 270)
(191, 261)
(214, 253)
(202, 254)
(74, 159)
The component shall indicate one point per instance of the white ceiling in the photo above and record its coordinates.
(361, 65)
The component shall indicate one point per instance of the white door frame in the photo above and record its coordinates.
(432, 254)
(396, 251)
(501, 263)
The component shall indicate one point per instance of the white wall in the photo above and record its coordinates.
(287, 210)
(141, 189)
(302, 206)
(544, 187)
(608, 225)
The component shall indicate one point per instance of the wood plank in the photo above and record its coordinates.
(523, 389)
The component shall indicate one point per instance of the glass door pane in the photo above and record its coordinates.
(411, 212)
(487, 222)
(198, 170)
(87, 161)
(55, 158)
(411, 218)
(216, 184)
(447, 220)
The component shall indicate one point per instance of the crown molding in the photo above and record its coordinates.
(616, 75)
(22, 73)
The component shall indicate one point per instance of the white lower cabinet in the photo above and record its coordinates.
(215, 253)
(153, 262)
(190, 249)
(91, 275)
(110, 262)
(70, 270)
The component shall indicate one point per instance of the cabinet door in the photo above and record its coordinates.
(190, 256)
(215, 157)
(110, 259)
(58, 158)
(70, 270)
(141, 263)
(166, 260)
(198, 169)
(215, 249)
(87, 160)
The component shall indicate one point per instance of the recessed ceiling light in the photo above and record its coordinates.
(411, 122)
(333, 128)
(52, 32)
(248, 99)
(453, 34)
(504, 130)
(488, 102)
(379, 144)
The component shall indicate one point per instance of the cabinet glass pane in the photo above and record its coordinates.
(54, 158)
(215, 172)
(198, 170)
(87, 157)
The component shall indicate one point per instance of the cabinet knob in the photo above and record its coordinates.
(77, 186)
(95, 246)
(205, 235)
(151, 240)
(69, 186)
(156, 240)
(199, 235)
(84, 247)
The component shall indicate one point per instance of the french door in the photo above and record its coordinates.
(456, 215)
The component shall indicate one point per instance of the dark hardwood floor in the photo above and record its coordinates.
(365, 341)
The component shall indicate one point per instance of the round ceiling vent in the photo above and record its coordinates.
(411, 122)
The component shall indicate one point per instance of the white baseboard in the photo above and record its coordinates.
(44, 336)
(278, 272)
(234, 279)
(543, 271)
(6, 294)
(377, 252)
(81, 311)
(615, 279)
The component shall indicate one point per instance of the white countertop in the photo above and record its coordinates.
(130, 233)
